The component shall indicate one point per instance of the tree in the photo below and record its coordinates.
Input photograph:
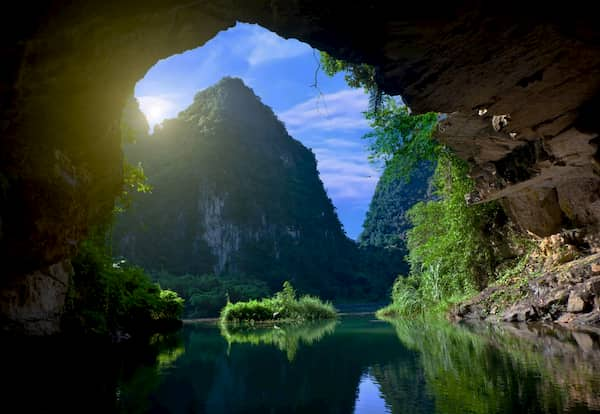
(449, 253)
(134, 126)
(401, 139)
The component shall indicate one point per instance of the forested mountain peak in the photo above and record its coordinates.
(386, 223)
(231, 100)
(235, 195)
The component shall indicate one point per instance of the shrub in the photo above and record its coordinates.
(253, 310)
(105, 297)
(313, 308)
(282, 306)
(449, 251)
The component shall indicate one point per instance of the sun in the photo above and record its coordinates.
(155, 108)
(155, 113)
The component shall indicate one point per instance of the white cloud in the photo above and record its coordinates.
(349, 187)
(347, 175)
(261, 45)
(342, 110)
(342, 143)
(335, 153)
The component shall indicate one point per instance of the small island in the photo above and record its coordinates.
(283, 306)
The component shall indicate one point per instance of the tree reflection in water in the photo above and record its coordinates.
(483, 368)
(286, 337)
(414, 366)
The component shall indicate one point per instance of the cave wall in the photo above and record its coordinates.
(68, 68)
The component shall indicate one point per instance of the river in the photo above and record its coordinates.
(354, 365)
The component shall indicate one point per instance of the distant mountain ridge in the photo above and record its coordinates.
(235, 194)
(386, 222)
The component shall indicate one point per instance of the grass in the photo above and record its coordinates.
(413, 307)
(282, 306)
(425, 293)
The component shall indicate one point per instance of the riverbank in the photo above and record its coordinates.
(564, 293)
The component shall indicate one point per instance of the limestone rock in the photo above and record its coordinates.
(584, 341)
(520, 313)
(575, 304)
(567, 294)
(566, 318)
(33, 304)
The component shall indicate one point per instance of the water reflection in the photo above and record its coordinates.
(139, 378)
(506, 368)
(286, 337)
(358, 365)
(369, 398)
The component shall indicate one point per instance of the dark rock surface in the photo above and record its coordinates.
(32, 304)
(569, 295)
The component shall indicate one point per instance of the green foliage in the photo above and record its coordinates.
(406, 299)
(133, 122)
(386, 223)
(205, 295)
(450, 235)
(134, 126)
(105, 296)
(253, 310)
(448, 247)
(356, 75)
(282, 306)
(134, 180)
(449, 252)
(230, 169)
(287, 295)
(402, 140)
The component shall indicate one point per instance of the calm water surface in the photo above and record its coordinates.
(355, 365)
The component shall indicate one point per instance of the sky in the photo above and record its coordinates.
(327, 119)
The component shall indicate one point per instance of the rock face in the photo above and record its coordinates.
(234, 195)
(68, 68)
(33, 304)
(568, 294)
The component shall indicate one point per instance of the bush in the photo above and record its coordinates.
(450, 254)
(313, 308)
(282, 306)
(253, 310)
(105, 297)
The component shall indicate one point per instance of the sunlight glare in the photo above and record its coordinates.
(155, 108)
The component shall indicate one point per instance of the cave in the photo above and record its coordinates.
(520, 83)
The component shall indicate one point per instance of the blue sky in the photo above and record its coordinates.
(328, 120)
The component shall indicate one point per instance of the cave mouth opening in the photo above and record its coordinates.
(258, 174)
(322, 112)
